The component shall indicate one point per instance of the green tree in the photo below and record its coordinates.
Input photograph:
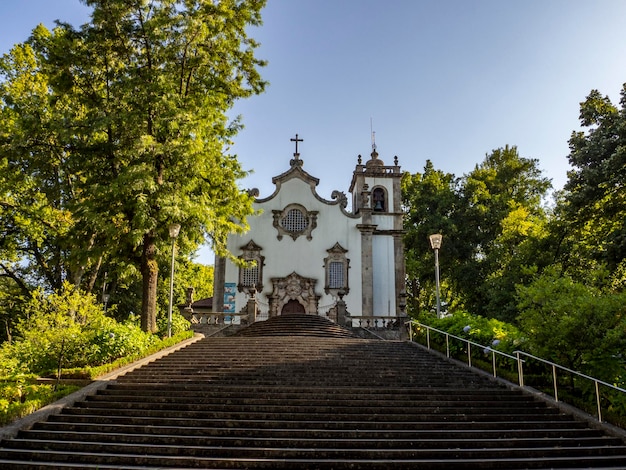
(503, 221)
(574, 324)
(140, 131)
(187, 275)
(495, 232)
(595, 194)
(33, 219)
(56, 327)
(431, 204)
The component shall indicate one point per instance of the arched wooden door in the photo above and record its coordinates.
(293, 306)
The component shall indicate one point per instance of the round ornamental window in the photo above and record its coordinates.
(295, 221)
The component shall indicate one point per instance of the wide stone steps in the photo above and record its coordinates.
(559, 423)
(324, 400)
(343, 430)
(326, 442)
(206, 458)
(296, 325)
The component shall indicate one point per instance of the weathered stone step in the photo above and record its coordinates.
(82, 416)
(298, 409)
(320, 443)
(483, 432)
(512, 464)
(148, 453)
(284, 391)
(285, 416)
(352, 401)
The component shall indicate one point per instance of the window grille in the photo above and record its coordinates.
(251, 272)
(250, 276)
(295, 221)
(335, 275)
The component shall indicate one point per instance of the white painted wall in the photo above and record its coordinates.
(305, 257)
(384, 276)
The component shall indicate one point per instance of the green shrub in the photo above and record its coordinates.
(20, 398)
(488, 332)
(179, 324)
(115, 340)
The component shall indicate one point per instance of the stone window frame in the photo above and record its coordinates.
(252, 265)
(294, 233)
(336, 255)
(385, 200)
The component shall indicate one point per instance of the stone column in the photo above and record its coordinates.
(343, 317)
(400, 270)
(367, 261)
(219, 279)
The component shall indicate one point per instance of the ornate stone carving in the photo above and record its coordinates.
(341, 197)
(293, 287)
(251, 275)
(294, 220)
(336, 265)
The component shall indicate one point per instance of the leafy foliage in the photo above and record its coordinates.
(595, 194)
(111, 132)
(488, 332)
(69, 329)
(575, 325)
(20, 398)
(431, 202)
(492, 221)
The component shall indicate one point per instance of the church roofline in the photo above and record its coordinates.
(296, 171)
(375, 168)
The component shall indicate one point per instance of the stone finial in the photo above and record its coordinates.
(189, 299)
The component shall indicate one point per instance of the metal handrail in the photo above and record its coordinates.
(554, 366)
(469, 346)
(519, 360)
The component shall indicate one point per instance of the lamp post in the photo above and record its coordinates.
(105, 301)
(435, 243)
(174, 231)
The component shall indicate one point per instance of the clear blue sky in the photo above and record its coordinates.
(445, 80)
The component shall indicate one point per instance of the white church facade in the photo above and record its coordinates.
(308, 254)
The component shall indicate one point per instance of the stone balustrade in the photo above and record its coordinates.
(373, 322)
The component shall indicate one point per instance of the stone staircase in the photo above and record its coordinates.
(298, 392)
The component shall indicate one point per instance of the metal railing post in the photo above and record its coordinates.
(556, 389)
(517, 356)
(520, 370)
(598, 401)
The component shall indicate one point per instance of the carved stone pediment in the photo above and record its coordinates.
(293, 287)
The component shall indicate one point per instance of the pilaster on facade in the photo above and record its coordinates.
(219, 279)
(367, 268)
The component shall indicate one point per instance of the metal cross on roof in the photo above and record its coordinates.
(296, 140)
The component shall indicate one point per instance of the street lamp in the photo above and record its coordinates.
(174, 231)
(105, 300)
(435, 243)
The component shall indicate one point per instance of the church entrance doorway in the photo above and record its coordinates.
(293, 306)
(293, 294)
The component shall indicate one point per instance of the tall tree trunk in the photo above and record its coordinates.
(149, 273)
